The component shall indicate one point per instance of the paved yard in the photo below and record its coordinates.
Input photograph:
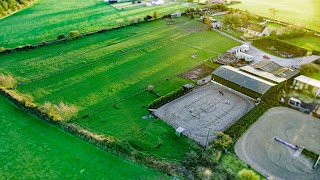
(258, 148)
(258, 54)
(205, 110)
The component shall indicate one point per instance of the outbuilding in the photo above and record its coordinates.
(307, 84)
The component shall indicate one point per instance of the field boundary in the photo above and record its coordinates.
(65, 39)
(106, 143)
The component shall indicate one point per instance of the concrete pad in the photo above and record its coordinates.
(205, 110)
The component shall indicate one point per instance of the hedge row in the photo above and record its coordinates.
(167, 98)
(244, 123)
(62, 38)
(280, 47)
(314, 52)
(107, 143)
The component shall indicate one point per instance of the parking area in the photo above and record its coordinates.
(205, 110)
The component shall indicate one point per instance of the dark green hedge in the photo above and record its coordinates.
(280, 47)
(167, 98)
(244, 123)
(314, 52)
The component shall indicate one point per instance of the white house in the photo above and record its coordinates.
(305, 83)
(219, 1)
(157, 2)
(246, 57)
(252, 29)
(245, 26)
(258, 30)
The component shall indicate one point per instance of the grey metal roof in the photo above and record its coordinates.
(243, 79)
(267, 66)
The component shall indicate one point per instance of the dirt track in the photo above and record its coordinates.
(258, 148)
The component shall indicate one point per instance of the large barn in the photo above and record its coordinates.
(245, 83)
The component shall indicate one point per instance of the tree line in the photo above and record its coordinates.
(9, 6)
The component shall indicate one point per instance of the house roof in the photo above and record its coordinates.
(246, 25)
(257, 27)
(267, 66)
(307, 80)
(243, 79)
(219, 1)
(275, 69)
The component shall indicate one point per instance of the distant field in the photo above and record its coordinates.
(33, 149)
(305, 13)
(308, 42)
(111, 68)
(46, 19)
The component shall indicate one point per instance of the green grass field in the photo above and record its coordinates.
(46, 19)
(304, 13)
(307, 42)
(33, 149)
(115, 65)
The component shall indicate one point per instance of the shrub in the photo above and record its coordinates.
(150, 88)
(60, 112)
(61, 36)
(120, 22)
(314, 52)
(2, 49)
(74, 34)
(222, 140)
(246, 174)
(148, 17)
(155, 15)
(167, 98)
(309, 69)
(7, 81)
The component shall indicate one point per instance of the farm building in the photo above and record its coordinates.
(246, 57)
(242, 48)
(216, 24)
(176, 14)
(258, 80)
(307, 84)
(271, 71)
(243, 82)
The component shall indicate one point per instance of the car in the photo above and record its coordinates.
(266, 57)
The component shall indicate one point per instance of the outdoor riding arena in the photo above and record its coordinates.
(205, 110)
(258, 148)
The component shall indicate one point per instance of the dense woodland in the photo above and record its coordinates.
(9, 6)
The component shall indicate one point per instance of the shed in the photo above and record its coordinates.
(308, 84)
(246, 57)
(179, 131)
(187, 87)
